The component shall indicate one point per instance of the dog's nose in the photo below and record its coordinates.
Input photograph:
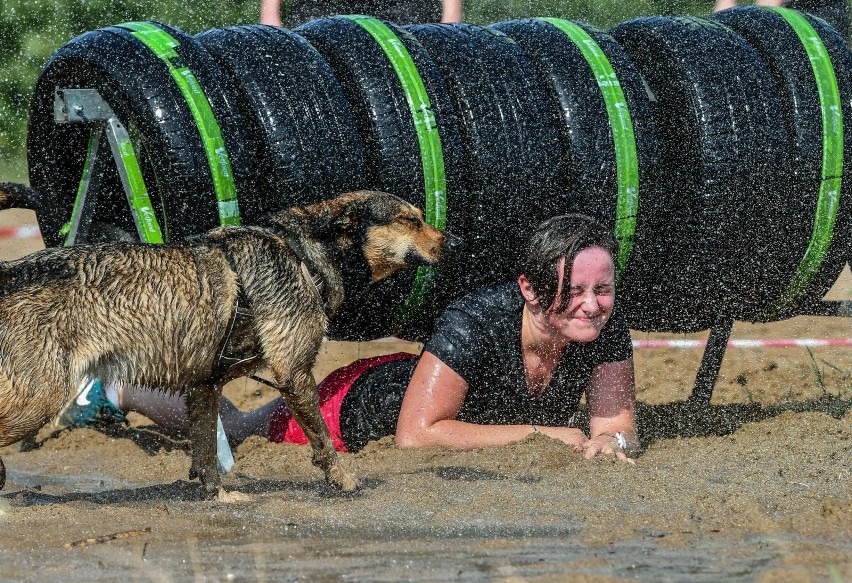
(452, 243)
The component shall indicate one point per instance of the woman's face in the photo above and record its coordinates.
(591, 297)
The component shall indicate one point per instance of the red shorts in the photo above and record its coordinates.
(332, 390)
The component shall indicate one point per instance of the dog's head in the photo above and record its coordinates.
(396, 236)
(389, 232)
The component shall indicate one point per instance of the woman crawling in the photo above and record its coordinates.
(503, 362)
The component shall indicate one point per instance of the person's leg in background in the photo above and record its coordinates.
(168, 410)
(725, 4)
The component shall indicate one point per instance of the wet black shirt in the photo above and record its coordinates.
(479, 337)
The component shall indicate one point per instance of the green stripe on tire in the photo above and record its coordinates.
(429, 140)
(624, 140)
(828, 199)
(163, 45)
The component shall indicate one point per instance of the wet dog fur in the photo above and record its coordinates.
(159, 315)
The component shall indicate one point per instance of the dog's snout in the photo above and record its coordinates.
(452, 242)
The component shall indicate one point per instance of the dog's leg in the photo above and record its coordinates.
(2, 474)
(303, 400)
(202, 406)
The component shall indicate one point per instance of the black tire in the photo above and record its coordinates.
(516, 164)
(724, 159)
(109, 233)
(394, 158)
(381, 111)
(786, 58)
(140, 90)
(587, 126)
(835, 13)
(299, 121)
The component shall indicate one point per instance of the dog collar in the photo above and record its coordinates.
(305, 265)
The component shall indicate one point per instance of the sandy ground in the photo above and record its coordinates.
(756, 488)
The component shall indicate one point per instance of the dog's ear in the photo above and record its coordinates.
(343, 216)
(348, 217)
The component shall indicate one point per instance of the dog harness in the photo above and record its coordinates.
(242, 313)
(316, 280)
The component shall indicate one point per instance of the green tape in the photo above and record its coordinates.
(623, 137)
(140, 202)
(828, 199)
(429, 140)
(163, 45)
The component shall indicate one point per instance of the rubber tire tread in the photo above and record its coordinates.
(788, 62)
(586, 132)
(515, 160)
(723, 164)
(381, 110)
(586, 128)
(298, 117)
(140, 90)
(393, 156)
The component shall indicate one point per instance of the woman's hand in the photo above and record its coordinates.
(605, 444)
(567, 435)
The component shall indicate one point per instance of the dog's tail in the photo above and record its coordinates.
(19, 196)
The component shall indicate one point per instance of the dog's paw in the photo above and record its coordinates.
(231, 497)
(343, 480)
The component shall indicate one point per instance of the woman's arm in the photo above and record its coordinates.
(611, 400)
(431, 406)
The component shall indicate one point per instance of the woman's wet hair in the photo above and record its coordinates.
(557, 237)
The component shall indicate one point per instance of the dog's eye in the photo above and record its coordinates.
(410, 221)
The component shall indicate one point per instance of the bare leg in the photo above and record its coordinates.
(168, 410)
(724, 5)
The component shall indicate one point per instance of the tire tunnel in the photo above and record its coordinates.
(716, 149)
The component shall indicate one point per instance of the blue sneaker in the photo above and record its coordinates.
(89, 407)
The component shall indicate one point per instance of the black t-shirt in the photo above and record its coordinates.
(479, 337)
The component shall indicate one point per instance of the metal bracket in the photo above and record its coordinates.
(80, 106)
(711, 362)
(714, 352)
(87, 106)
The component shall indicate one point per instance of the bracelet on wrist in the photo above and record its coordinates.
(620, 439)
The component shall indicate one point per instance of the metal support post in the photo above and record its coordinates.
(711, 362)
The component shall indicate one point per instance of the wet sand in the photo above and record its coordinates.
(756, 488)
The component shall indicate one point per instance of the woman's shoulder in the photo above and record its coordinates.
(477, 321)
(486, 302)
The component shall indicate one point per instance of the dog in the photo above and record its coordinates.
(188, 317)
